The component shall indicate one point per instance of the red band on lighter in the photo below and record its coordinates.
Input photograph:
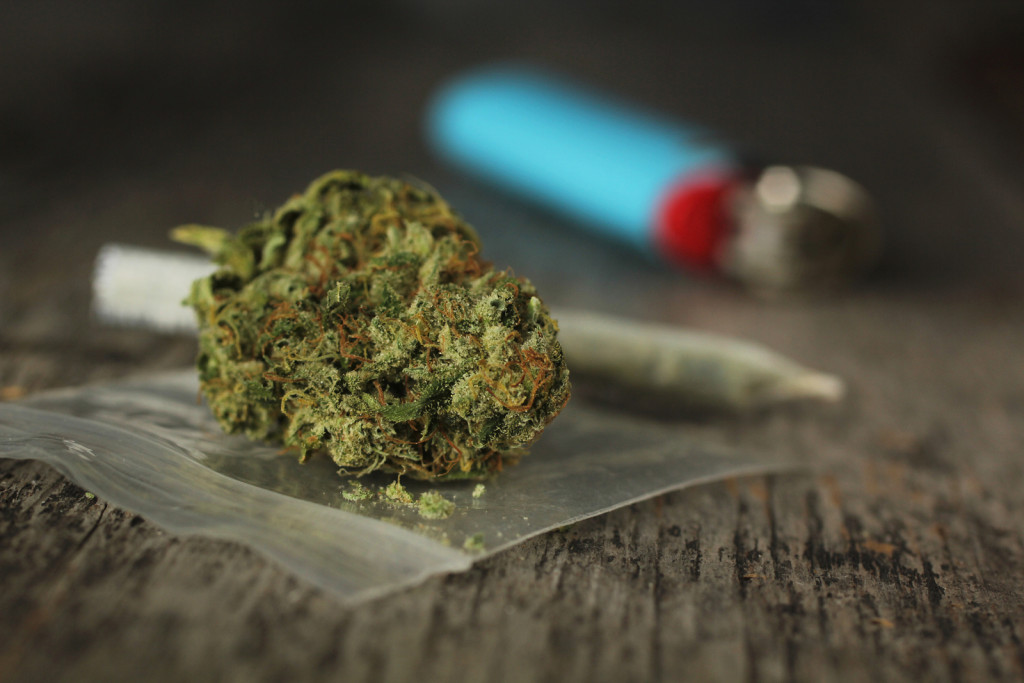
(693, 221)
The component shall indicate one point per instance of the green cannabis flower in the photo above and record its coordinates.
(359, 320)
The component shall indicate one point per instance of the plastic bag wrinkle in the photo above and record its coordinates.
(146, 445)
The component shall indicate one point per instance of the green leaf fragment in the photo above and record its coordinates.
(396, 493)
(432, 505)
(356, 492)
(475, 543)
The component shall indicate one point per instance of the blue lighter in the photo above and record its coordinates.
(662, 186)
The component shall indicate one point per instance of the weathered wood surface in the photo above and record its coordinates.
(901, 558)
(898, 555)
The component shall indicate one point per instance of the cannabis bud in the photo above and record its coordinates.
(359, 320)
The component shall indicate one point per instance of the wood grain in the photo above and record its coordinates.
(896, 556)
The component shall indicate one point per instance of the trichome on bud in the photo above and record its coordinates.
(358, 319)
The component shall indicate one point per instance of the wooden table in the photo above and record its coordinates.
(897, 555)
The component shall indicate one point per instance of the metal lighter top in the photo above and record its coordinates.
(664, 187)
(799, 228)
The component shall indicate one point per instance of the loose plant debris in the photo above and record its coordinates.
(430, 505)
